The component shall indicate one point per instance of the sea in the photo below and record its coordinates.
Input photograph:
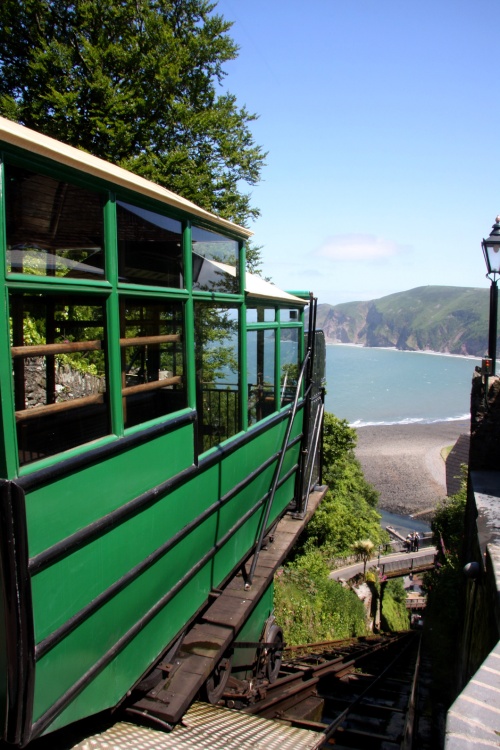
(386, 386)
(376, 386)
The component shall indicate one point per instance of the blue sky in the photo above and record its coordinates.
(382, 123)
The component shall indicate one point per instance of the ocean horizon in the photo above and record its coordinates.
(385, 386)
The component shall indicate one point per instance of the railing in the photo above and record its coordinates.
(395, 568)
(416, 602)
(399, 546)
(220, 418)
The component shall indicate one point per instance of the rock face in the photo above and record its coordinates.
(433, 318)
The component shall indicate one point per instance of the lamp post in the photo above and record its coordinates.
(491, 251)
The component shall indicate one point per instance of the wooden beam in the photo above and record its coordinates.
(64, 347)
(152, 385)
(48, 409)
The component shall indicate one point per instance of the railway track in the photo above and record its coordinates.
(357, 694)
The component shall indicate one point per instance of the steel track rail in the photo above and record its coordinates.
(369, 691)
(307, 670)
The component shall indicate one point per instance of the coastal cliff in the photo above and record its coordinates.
(451, 320)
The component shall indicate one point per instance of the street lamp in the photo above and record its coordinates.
(491, 251)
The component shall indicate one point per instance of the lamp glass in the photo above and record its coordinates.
(491, 251)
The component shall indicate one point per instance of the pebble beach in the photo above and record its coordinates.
(404, 462)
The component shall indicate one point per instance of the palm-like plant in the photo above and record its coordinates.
(364, 549)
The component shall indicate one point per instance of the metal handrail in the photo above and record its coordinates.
(277, 473)
(316, 434)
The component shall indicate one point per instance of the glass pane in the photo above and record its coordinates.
(290, 365)
(261, 314)
(149, 247)
(261, 369)
(152, 345)
(217, 373)
(59, 369)
(54, 228)
(215, 262)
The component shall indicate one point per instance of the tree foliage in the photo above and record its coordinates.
(348, 512)
(134, 82)
(341, 470)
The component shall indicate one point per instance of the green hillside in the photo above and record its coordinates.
(437, 318)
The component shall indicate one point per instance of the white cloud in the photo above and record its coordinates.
(359, 247)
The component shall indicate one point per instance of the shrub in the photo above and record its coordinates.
(394, 614)
(310, 607)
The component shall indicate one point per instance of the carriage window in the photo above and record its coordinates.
(261, 314)
(261, 374)
(290, 364)
(152, 346)
(215, 262)
(53, 228)
(217, 373)
(59, 369)
(149, 247)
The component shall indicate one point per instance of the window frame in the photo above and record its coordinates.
(110, 290)
(107, 290)
(278, 326)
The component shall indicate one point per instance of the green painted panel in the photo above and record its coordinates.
(79, 651)
(63, 589)
(291, 458)
(241, 463)
(59, 509)
(239, 543)
(252, 631)
(113, 682)
(236, 548)
(284, 495)
(69, 585)
(232, 511)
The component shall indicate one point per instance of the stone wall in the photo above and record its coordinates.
(472, 720)
(69, 383)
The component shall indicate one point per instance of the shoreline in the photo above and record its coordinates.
(407, 351)
(404, 463)
(409, 422)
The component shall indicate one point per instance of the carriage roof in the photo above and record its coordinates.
(22, 137)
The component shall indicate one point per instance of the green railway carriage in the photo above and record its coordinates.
(157, 420)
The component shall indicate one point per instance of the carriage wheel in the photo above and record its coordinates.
(214, 687)
(275, 655)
